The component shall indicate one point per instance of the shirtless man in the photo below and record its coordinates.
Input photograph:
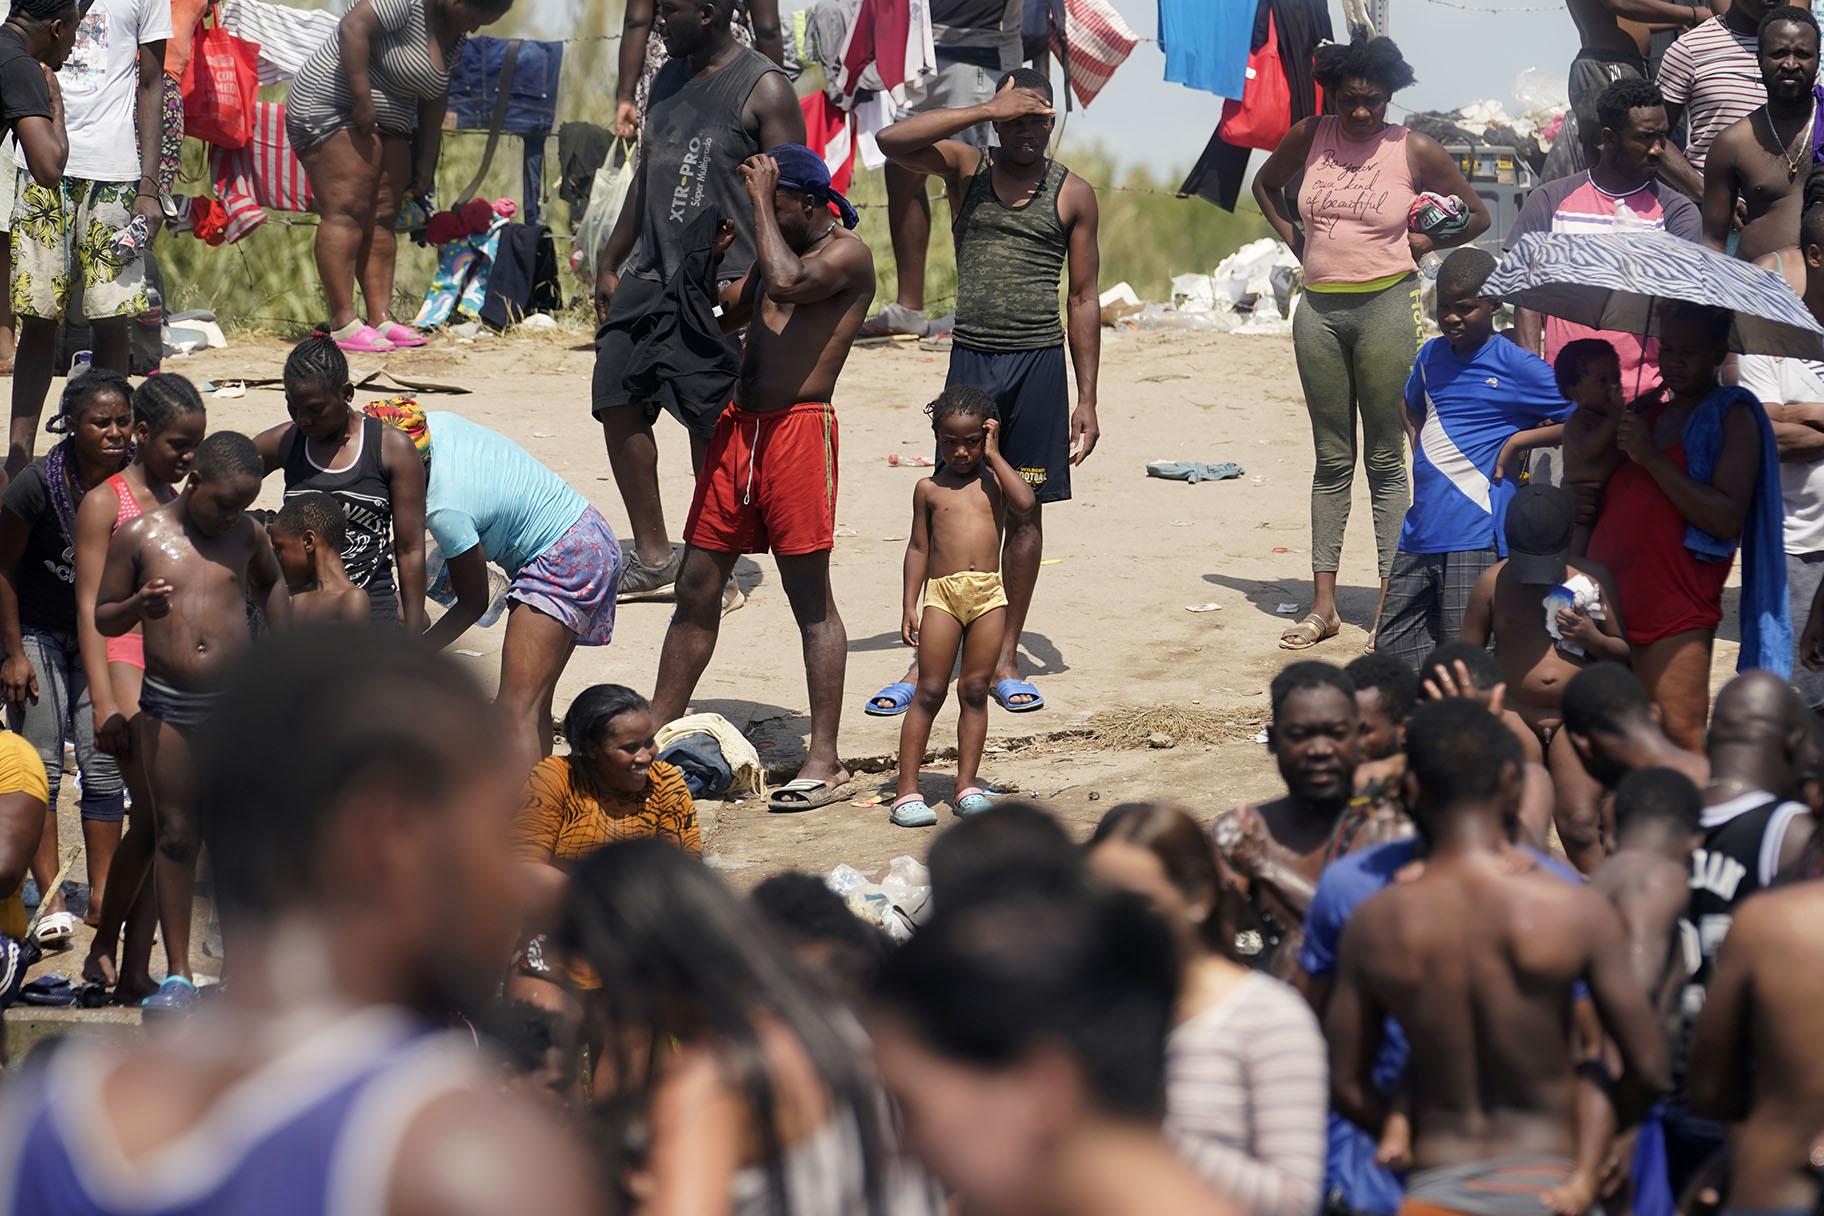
(1476, 958)
(1611, 33)
(1270, 856)
(366, 885)
(1614, 727)
(1760, 163)
(769, 479)
(1646, 880)
(183, 573)
(1754, 1057)
(1507, 605)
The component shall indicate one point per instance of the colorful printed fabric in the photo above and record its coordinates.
(58, 234)
(460, 285)
(171, 134)
(405, 414)
(576, 580)
(566, 816)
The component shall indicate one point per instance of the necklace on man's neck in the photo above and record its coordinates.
(1785, 146)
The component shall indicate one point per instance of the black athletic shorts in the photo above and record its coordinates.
(614, 345)
(1033, 393)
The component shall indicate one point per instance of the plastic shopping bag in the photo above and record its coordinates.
(613, 182)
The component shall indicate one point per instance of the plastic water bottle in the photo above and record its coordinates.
(80, 363)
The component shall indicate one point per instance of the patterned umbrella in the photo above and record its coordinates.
(1616, 281)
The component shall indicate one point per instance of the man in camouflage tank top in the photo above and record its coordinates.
(1022, 219)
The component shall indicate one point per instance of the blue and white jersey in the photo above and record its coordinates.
(1469, 409)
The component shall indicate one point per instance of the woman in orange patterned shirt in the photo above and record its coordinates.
(610, 787)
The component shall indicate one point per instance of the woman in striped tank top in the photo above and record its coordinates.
(168, 422)
(365, 115)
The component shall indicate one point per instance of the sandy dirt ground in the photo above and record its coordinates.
(1109, 632)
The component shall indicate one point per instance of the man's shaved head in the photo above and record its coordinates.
(1756, 709)
(1757, 731)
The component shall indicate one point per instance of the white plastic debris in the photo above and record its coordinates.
(896, 903)
(1119, 301)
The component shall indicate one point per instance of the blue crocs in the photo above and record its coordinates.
(176, 995)
(913, 811)
(973, 801)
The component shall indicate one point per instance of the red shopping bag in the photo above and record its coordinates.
(220, 85)
(1264, 114)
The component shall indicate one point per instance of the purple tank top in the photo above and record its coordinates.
(313, 1134)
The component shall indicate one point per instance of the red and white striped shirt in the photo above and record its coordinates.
(1715, 73)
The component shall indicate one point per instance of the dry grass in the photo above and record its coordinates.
(1127, 727)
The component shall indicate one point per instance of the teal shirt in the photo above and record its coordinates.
(485, 489)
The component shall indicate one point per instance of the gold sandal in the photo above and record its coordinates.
(1307, 633)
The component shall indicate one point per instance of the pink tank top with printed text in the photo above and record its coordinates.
(1353, 202)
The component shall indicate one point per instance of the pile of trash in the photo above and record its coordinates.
(1544, 100)
(1249, 292)
(897, 903)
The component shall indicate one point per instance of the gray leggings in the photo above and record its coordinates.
(1355, 350)
(63, 712)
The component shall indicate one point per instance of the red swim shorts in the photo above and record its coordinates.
(768, 483)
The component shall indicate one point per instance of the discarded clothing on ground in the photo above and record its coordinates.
(1193, 471)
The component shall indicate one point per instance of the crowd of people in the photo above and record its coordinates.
(1527, 929)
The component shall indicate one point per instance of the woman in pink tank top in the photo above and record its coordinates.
(1357, 327)
(168, 423)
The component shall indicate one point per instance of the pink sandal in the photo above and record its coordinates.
(404, 335)
(365, 340)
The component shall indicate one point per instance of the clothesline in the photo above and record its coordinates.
(1499, 12)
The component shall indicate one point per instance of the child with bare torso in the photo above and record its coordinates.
(1589, 375)
(1508, 605)
(953, 593)
(307, 539)
(183, 573)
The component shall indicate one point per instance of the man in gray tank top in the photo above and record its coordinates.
(1022, 218)
(714, 104)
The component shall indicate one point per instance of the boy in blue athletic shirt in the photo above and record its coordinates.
(1476, 404)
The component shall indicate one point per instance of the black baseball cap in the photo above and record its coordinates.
(1539, 523)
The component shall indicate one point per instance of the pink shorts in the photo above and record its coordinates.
(129, 648)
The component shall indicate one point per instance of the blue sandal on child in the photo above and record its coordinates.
(912, 811)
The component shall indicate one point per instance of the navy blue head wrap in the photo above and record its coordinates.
(802, 169)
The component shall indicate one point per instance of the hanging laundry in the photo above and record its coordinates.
(830, 132)
(265, 173)
(287, 36)
(209, 221)
(582, 148)
(1206, 43)
(1299, 26)
(460, 286)
(524, 278)
(894, 36)
(1040, 18)
(531, 97)
(871, 113)
(1092, 44)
